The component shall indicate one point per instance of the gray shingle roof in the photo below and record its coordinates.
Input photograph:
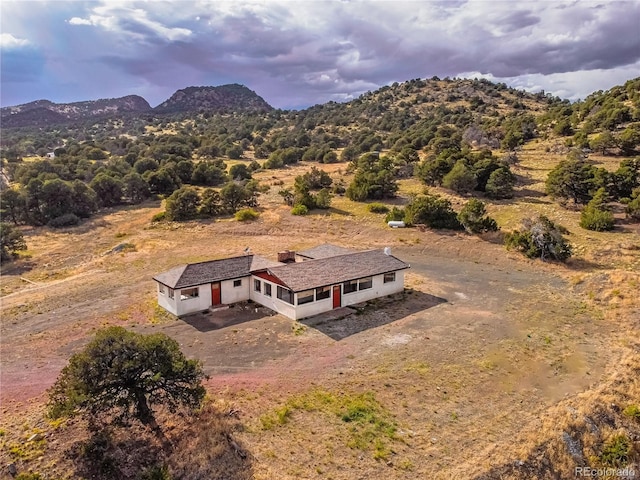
(325, 251)
(337, 269)
(261, 263)
(206, 272)
(214, 271)
(319, 272)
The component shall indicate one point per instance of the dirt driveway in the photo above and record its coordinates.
(461, 291)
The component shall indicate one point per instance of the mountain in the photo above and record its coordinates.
(45, 112)
(222, 99)
(231, 98)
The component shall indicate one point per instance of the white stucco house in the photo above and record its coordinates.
(298, 285)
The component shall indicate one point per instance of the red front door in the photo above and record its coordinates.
(337, 301)
(215, 294)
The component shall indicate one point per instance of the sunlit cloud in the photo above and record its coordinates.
(302, 53)
(8, 41)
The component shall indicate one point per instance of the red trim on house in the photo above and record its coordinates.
(270, 278)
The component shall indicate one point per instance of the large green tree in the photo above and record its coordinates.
(136, 189)
(234, 196)
(183, 204)
(11, 241)
(460, 179)
(12, 203)
(571, 179)
(500, 183)
(433, 211)
(126, 374)
(108, 189)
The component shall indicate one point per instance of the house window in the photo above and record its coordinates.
(365, 283)
(285, 295)
(171, 290)
(351, 286)
(305, 297)
(322, 293)
(256, 285)
(161, 288)
(389, 277)
(267, 289)
(237, 283)
(189, 293)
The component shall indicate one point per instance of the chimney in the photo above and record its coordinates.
(287, 256)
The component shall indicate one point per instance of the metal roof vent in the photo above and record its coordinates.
(387, 250)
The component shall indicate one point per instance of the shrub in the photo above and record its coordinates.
(433, 211)
(596, 215)
(540, 238)
(253, 166)
(159, 217)
(474, 219)
(239, 172)
(28, 476)
(616, 451)
(377, 208)
(183, 204)
(461, 178)
(11, 242)
(396, 214)
(633, 207)
(299, 210)
(323, 198)
(595, 219)
(246, 215)
(66, 220)
(500, 184)
(632, 411)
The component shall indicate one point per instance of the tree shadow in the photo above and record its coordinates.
(522, 180)
(373, 314)
(201, 445)
(18, 266)
(330, 211)
(582, 264)
(496, 238)
(235, 314)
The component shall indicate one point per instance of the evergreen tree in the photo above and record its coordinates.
(183, 204)
(127, 373)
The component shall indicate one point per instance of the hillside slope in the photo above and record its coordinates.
(45, 112)
(221, 99)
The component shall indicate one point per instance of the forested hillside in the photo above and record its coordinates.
(461, 134)
(524, 358)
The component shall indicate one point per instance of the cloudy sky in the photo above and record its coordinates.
(300, 53)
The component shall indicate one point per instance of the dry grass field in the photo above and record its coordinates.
(490, 365)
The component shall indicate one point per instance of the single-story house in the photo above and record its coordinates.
(298, 285)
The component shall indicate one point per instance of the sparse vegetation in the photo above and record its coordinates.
(376, 393)
(540, 238)
(616, 451)
(376, 207)
(632, 411)
(246, 215)
(369, 424)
